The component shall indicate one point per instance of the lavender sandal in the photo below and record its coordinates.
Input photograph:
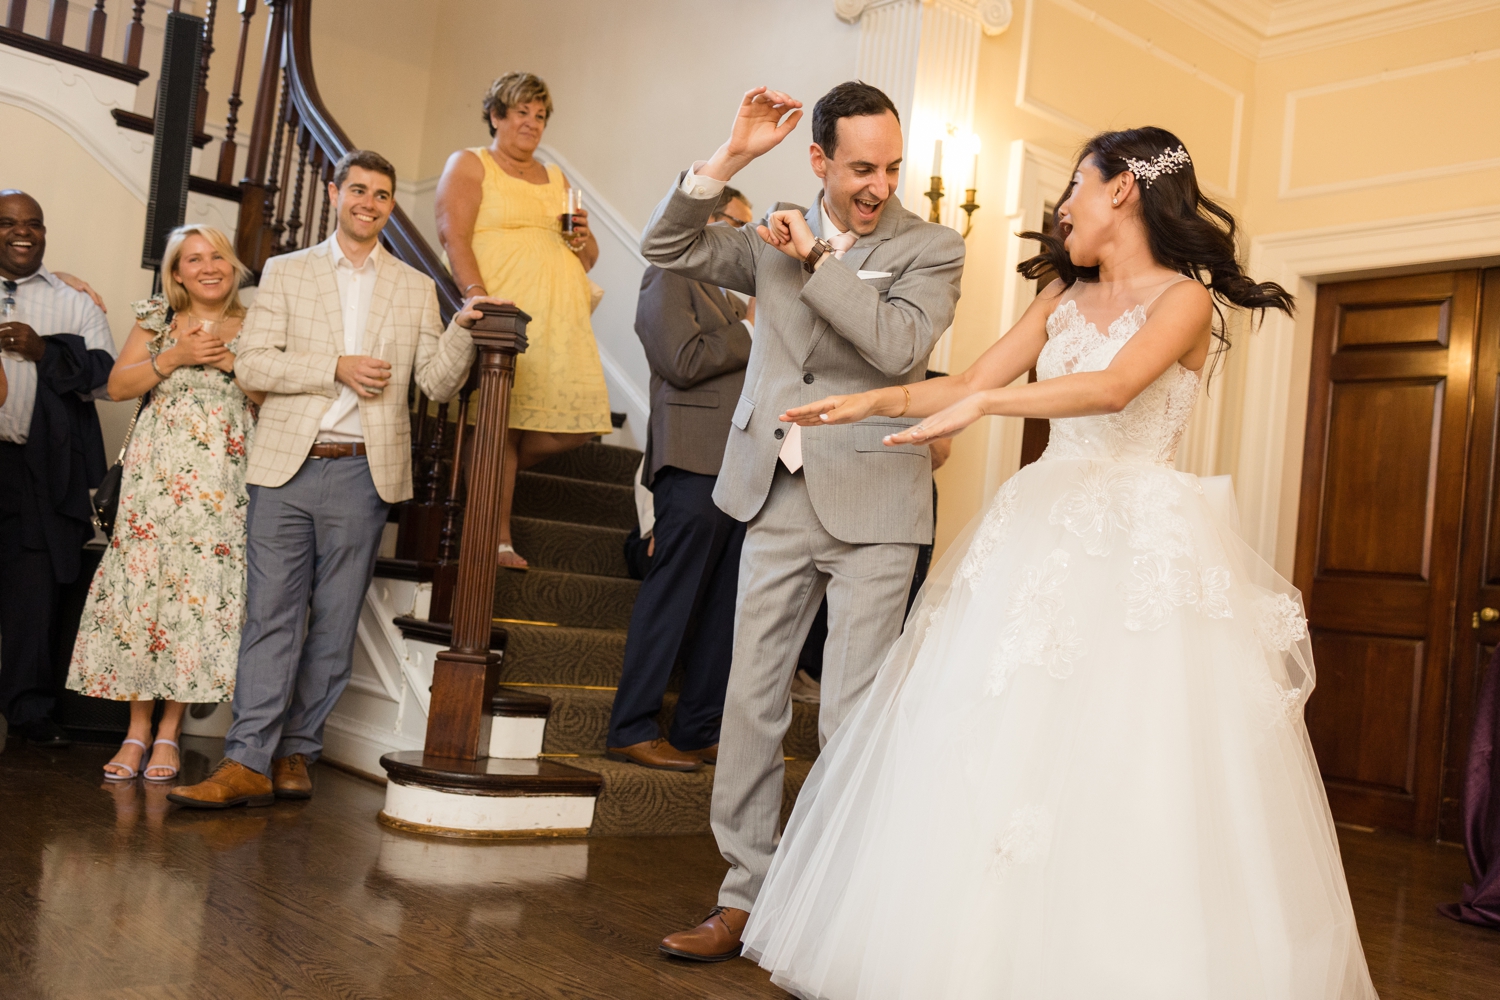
(130, 772)
(163, 767)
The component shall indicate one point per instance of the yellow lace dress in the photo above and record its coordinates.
(523, 257)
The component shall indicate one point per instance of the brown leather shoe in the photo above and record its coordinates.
(717, 939)
(657, 753)
(709, 755)
(231, 784)
(289, 777)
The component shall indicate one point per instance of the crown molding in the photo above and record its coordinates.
(993, 16)
(1265, 29)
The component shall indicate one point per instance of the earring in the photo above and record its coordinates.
(1115, 201)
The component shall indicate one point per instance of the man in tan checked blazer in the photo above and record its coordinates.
(336, 333)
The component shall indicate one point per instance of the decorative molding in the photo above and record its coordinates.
(79, 102)
(1274, 28)
(1028, 102)
(1289, 132)
(1268, 471)
(992, 16)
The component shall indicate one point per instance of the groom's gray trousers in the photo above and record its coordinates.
(788, 562)
(310, 552)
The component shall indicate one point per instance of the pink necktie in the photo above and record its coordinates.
(791, 448)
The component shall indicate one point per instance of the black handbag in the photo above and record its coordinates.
(106, 499)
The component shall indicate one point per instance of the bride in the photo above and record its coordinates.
(1082, 771)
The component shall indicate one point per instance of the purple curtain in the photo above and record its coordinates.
(1481, 898)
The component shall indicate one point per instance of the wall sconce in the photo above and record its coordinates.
(934, 193)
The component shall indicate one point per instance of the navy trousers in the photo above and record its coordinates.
(684, 613)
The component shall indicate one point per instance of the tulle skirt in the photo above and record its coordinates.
(1082, 773)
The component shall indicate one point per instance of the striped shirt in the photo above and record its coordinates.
(48, 306)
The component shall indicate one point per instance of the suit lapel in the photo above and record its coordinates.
(328, 294)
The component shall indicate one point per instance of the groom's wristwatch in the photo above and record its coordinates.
(819, 248)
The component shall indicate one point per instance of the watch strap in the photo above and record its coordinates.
(819, 248)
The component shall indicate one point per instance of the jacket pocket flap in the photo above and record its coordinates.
(868, 435)
(690, 397)
(742, 412)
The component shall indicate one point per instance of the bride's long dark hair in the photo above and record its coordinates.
(1185, 229)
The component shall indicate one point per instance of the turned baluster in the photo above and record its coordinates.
(432, 486)
(315, 168)
(251, 235)
(445, 577)
(211, 9)
(280, 182)
(326, 200)
(228, 150)
(16, 19)
(57, 21)
(135, 34)
(464, 677)
(294, 213)
(97, 19)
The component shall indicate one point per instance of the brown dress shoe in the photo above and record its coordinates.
(657, 753)
(231, 784)
(289, 777)
(717, 939)
(709, 755)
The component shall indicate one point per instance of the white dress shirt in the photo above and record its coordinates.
(48, 306)
(356, 289)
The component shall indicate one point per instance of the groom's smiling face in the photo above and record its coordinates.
(860, 174)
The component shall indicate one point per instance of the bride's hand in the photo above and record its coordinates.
(832, 410)
(944, 423)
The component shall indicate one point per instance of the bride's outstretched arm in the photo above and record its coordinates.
(1006, 360)
(1178, 330)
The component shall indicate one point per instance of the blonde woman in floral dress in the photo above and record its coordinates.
(165, 608)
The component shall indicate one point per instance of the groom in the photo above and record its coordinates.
(851, 293)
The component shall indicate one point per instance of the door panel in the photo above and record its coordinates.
(1382, 500)
(1378, 480)
(1474, 639)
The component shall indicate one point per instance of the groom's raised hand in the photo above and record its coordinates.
(764, 118)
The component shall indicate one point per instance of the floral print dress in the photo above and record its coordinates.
(165, 608)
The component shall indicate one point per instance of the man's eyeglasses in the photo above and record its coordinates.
(736, 223)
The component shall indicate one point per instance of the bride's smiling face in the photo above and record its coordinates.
(1087, 219)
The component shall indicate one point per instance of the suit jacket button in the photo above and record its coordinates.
(807, 377)
(780, 433)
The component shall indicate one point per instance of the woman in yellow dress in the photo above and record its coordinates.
(499, 215)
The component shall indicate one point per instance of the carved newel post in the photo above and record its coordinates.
(465, 676)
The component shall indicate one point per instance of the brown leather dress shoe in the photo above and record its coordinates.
(231, 784)
(709, 755)
(717, 939)
(289, 777)
(657, 753)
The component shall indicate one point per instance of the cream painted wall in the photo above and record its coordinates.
(94, 225)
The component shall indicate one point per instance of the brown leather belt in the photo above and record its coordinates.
(329, 449)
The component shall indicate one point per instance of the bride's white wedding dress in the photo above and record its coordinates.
(1082, 773)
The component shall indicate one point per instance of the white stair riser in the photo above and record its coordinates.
(517, 737)
(459, 813)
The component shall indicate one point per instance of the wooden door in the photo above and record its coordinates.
(1476, 625)
(1377, 536)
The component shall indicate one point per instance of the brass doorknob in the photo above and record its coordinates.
(1486, 615)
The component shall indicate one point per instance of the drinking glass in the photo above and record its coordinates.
(568, 220)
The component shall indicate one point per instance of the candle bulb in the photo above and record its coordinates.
(937, 158)
(974, 173)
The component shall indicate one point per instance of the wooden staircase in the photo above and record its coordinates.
(566, 640)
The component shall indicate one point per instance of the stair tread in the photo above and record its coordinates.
(562, 654)
(577, 501)
(638, 801)
(577, 599)
(594, 462)
(571, 547)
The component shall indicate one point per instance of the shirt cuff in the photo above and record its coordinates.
(703, 188)
(749, 326)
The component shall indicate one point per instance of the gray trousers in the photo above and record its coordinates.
(788, 562)
(311, 544)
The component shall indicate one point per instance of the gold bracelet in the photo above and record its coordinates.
(908, 400)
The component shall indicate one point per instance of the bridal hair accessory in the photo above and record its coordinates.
(1168, 161)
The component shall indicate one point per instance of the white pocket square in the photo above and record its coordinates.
(866, 275)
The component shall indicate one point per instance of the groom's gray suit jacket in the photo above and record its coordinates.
(825, 334)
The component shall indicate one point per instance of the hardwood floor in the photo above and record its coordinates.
(110, 893)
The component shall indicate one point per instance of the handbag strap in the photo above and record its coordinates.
(130, 431)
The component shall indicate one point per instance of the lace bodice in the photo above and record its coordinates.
(1148, 430)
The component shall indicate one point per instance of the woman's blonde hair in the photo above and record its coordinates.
(177, 295)
(513, 90)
